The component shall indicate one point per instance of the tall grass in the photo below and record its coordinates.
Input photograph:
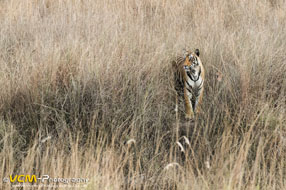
(86, 90)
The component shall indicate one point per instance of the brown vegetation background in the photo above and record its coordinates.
(86, 91)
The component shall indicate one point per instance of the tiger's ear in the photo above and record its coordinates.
(197, 52)
(185, 53)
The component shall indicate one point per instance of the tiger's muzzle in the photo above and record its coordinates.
(192, 72)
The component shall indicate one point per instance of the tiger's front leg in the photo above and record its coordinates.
(199, 102)
(188, 104)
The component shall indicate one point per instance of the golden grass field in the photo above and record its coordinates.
(86, 90)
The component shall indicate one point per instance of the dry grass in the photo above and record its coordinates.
(95, 77)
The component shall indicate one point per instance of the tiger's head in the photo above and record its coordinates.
(192, 63)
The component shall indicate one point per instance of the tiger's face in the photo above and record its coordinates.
(192, 64)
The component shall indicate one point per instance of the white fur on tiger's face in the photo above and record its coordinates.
(189, 76)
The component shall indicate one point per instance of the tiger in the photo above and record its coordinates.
(189, 77)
